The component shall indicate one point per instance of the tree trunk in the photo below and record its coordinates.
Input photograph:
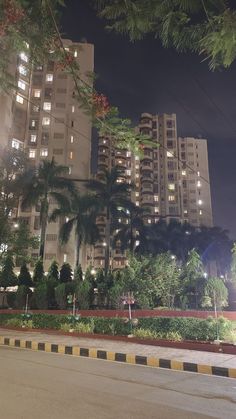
(77, 261)
(44, 220)
(108, 242)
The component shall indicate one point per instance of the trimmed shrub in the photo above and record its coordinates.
(11, 299)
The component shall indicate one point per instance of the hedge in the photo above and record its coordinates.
(187, 328)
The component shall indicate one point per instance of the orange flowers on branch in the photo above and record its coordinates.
(101, 105)
(12, 14)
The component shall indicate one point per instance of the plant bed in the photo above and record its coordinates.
(225, 348)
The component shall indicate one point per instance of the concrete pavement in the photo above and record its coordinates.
(49, 386)
(180, 359)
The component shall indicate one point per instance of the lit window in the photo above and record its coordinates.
(199, 202)
(120, 161)
(49, 78)
(15, 144)
(183, 172)
(137, 175)
(185, 212)
(35, 108)
(71, 155)
(169, 154)
(65, 257)
(104, 141)
(47, 106)
(128, 172)
(137, 166)
(198, 173)
(27, 45)
(171, 186)
(199, 184)
(156, 210)
(75, 54)
(149, 221)
(23, 70)
(24, 57)
(67, 49)
(171, 198)
(21, 84)
(73, 109)
(71, 138)
(136, 157)
(128, 153)
(46, 120)
(136, 193)
(19, 99)
(69, 170)
(37, 93)
(200, 212)
(33, 123)
(33, 138)
(32, 153)
(44, 152)
(156, 198)
(137, 203)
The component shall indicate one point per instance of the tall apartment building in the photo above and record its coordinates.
(171, 179)
(45, 119)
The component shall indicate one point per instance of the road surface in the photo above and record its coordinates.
(35, 385)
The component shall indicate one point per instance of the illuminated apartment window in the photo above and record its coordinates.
(171, 186)
(19, 99)
(75, 53)
(104, 141)
(136, 157)
(128, 153)
(128, 172)
(199, 184)
(156, 198)
(169, 154)
(185, 211)
(69, 170)
(33, 123)
(46, 121)
(32, 153)
(35, 108)
(71, 155)
(67, 49)
(21, 85)
(44, 152)
(137, 166)
(137, 175)
(65, 257)
(149, 221)
(49, 78)
(15, 144)
(24, 57)
(47, 106)
(37, 93)
(33, 138)
(73, 109)
(183, 172)
(136, 193)
(23, 70)
(200, 212)
(71, 138)
(156, 210)
(137, 203)
(198, 173)
(171, 198)
(200, 202)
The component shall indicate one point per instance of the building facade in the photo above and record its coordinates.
(45, 119)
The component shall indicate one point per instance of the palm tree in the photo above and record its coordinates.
(81, 212)
(111, 194)
(42, 183)
(133, 229)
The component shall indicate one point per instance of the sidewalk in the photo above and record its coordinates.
(181, 359)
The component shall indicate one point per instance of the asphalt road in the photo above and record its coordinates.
(35, 385)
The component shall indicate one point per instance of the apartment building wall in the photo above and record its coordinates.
(48, 121)
(195, 182)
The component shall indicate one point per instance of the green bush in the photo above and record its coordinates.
(41, 296)
(146, 334)
(83, 328)
(11, 298)
(14, 322)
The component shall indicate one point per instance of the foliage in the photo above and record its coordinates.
(205, 27)
(21, 295)
(192, 276)
(78, 274)
(7, 275)
(53, 272)
(233, 263)
(41, 296)
(38, 274)
(65, 273)
(216, 292)
(60, 295)
(24, 277)
(11, 298)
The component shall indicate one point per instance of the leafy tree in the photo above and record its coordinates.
(53, 272)
(110, 195)
(82, 212)
(84, 294)
(21, 296)
(216, 293)
(41, 296)
(60, 295)
(65, 273)
(193, 275)
(24, 277)
(233, 263)
(206, 27)
(42, 183)
(78, 274)
(7, 275)
(21, 242)
(38, 274)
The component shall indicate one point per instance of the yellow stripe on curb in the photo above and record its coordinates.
(130, 359)
(34, 345)
(92, 353)
(152, 362)
(75, 351)
(23, 344)
(204, 369)
(48, 347)
(232, 372)
(110, 356)
(61, 349)
(1, 340)
(177, 365)
(12, 342)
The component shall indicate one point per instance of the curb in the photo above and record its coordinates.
(118, 357)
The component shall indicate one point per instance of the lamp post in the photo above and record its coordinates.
(129, 299)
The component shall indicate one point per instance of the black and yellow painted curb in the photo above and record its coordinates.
(119, 357)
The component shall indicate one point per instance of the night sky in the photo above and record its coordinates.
(143, 76)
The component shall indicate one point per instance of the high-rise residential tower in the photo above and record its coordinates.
(45, 119)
